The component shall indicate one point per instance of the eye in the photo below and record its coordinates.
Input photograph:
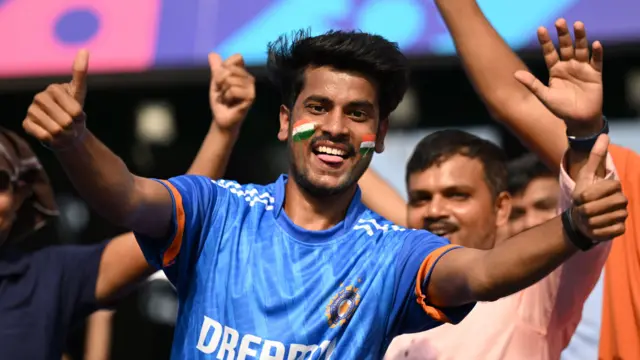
(316, 108)
(358, 114)
(458, 196)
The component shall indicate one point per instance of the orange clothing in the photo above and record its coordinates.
(620, 331)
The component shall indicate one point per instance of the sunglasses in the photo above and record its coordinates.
(6, 181)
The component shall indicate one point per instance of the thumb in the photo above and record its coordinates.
(78, 84)
(597, 158)
(532, 83)
(215, 62)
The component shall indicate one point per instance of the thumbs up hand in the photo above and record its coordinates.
(55, 116)
(599, 206)
(232, 91)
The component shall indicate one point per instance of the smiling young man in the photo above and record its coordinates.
(301, 267)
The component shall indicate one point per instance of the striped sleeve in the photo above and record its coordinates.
(412, 311)
(193, 198)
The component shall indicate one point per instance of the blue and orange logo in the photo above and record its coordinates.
(342, 306)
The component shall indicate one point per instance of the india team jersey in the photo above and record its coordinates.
(253, 285)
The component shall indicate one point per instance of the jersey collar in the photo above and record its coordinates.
(356, 208)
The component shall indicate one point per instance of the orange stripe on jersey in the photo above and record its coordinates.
(424, 270)
(174, 249)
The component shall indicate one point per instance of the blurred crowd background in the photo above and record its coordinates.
(148, 93)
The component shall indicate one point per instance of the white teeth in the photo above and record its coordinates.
(331, 151)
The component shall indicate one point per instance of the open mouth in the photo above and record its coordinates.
(331, 154)
(442, 231)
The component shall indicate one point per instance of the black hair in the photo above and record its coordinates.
(370, 55)
(439, 146)
(523, 170)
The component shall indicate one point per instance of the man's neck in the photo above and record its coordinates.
(313, 213)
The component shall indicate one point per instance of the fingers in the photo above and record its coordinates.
(52, 113)
(597, 55)
(215, 62)
(534, 85)
(564, 39)
(548, 48)
(235, 60)
(582, 44)
(600, 198)
(236, 94)
(232, 83)
(79, 75)
(608, 219)
(225, 74)
(609, 232)
(597, 158)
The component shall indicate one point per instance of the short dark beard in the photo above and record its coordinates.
(312, 189)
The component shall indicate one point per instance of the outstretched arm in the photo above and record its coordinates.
(490, 64)
(467, 275)
(211, 161)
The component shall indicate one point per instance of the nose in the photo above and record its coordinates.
(335, 123)
(436, 209)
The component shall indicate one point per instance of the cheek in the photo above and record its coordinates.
(5, 203)
(473, 217)
(414, 218)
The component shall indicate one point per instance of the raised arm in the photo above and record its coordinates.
(490, 64)
(380, 197)
(211, 161)
(56, 118)
(122, 261)
(598, 210)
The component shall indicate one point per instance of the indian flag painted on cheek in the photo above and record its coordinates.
(303, 130)
(368, 144)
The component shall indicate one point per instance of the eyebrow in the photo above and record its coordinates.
(355, 103)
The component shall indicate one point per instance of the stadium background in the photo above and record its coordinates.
(148, 94)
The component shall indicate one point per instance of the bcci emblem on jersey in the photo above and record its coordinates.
(342, 306)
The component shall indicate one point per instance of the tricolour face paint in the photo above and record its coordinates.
(368, 144)
(303, 130)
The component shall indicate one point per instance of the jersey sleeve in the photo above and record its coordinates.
(194, 206)
(416, 260)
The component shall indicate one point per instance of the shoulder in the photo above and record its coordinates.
(251, 195)
(374, 224)
(627, 163)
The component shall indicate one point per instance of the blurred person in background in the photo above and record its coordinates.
(535, 193)
(46, 292)
(445, 185)
(218, 241)
(610, 326)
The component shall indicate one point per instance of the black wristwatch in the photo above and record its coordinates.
(585, 144)
(577, 238)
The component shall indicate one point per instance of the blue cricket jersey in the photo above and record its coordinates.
(253, 285)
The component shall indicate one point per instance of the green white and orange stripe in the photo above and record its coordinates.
(368, 144)
(303, 130)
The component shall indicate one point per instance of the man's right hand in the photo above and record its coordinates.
(599, 206)
(55, 116)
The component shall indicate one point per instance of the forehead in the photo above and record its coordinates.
(341, 87)
(457, 171)
(538, 189)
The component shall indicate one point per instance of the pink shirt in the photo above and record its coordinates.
(535, 323)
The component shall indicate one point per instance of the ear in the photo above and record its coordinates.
(382, 132)
(503, 209)
(285, 117)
